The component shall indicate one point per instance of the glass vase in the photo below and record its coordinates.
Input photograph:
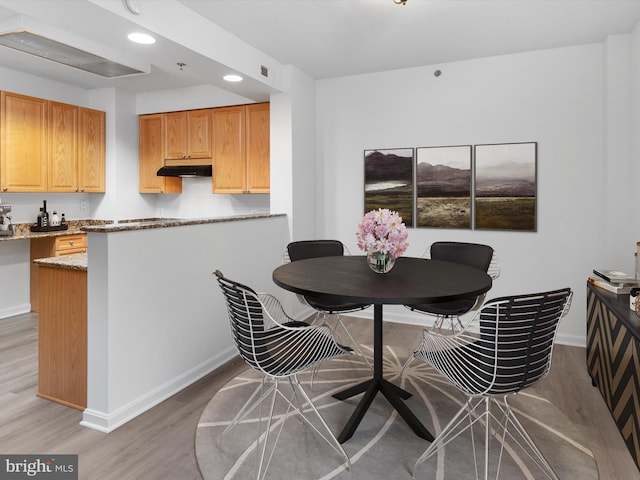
(380, 262)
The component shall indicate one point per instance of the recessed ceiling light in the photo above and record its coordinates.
(143, 38)
(232, 78)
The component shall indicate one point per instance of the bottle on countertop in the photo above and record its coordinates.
(63, 220)
(45, 214)
(55, 220)
(39, 218)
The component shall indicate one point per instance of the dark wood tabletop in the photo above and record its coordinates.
(411, 281)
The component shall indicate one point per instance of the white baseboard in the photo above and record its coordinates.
(15, 310)
(106, 422)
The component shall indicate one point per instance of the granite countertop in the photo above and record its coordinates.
(105, 226)
(23, 230)
(129, 225)
(76, 261)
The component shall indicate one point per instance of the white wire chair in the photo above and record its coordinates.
(272, 343)
(325, 309)
(510, 352)
(482, 257)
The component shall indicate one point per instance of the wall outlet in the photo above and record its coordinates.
(83, 204)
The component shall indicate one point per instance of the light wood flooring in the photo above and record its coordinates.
(159, 444)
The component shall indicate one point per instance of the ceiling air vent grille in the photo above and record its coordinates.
(58, 52)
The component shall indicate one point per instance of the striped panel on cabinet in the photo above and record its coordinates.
(613, 361)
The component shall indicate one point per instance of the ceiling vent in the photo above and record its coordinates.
(58, 47)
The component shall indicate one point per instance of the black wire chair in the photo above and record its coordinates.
(511, 351)
(302, 249)
(474, 255)
(272, 343)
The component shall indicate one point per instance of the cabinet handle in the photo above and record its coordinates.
(71, 242)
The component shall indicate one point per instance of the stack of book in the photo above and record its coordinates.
(613, 281)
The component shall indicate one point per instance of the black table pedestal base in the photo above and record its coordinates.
(394, 394)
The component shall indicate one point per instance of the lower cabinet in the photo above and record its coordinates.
(613, 360)
(62, 336)
(46, 247)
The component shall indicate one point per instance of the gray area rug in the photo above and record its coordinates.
(383, 447)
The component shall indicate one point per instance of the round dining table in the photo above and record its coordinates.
(412, 281)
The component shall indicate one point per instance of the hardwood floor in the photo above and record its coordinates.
(159, 444)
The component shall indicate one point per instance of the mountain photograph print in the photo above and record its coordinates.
(443, 187)
(505, 186)
(388, 181)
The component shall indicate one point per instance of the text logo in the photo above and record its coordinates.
(50, 467)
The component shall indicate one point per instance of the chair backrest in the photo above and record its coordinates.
(472, 254)
(246, 319)
(516, 339)
(302, 249)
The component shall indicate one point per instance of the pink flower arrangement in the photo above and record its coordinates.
(382, 231)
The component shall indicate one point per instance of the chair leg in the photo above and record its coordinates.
(247, 408)
(476, 410)
(295, 403)
(355, 344)
(452, 430)
(535, 454)
(331, 440)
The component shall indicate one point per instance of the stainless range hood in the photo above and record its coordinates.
(185, 171)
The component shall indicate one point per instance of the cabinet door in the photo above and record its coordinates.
(229, 166)
(257, 127)
(151, 157)
(23, 144)
(175, 141)
(199, 134)
(91, 150)
(63, 149)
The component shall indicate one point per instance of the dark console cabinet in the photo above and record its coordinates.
(613, 360)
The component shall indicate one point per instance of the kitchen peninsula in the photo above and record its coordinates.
(144, 305)
(155, 321)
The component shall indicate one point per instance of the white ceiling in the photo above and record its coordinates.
(332, 38)
(325, 38)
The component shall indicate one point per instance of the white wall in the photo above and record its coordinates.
(553, 97)
(634, 60)
(157, 320)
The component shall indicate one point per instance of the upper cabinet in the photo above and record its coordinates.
(91, 150)
(257, 141)
(23, 143)
(234, 139)
(188, 135)
(151, 156)
(63, 148)
(241, 149)
(50, 146)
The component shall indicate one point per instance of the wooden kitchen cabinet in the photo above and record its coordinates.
(91, 150)
(151, 156)
(23, 143)
(258, 144)
(62, 337)
(76, 149)
(241, 149)
(63, 148)
(50, 146)
(188, 135)
(45, 247)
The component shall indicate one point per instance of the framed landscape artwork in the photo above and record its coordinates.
(388, 181)
(505, 186)
(443, 187)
